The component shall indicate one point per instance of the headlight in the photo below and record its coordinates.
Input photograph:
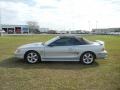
(18, 51)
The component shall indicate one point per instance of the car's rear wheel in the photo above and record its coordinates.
(87, 58)
(32, 57)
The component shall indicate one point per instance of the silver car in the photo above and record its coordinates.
(63, 48)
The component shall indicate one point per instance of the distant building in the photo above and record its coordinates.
(52, 32)
(106, 31)
(62, 32)
(79, 32)
(44, 30)
(74, 32)
(15, 29)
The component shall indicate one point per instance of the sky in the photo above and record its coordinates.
(62, 14)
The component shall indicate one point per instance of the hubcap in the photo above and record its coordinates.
(88, 58)
(32, 57)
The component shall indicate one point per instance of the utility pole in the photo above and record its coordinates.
(96, 24)
(89, 25)
(0, 18)
(0, 22)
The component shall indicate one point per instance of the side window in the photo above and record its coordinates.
(82, 41)
(67, 42)
(60, 42)
(74, 41)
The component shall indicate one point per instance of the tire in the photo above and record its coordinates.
(32, 57)
(87, 58)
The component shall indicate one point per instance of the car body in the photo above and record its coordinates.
(63, 48)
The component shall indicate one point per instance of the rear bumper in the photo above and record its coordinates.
(102, 55)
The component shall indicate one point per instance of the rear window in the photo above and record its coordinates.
(84, 41)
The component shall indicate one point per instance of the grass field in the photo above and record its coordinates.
(18, 75)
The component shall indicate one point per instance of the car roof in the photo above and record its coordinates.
(69, 36)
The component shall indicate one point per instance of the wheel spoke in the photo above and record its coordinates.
(35, 59)
(88, 61)
(85, 56)
(89, 55)
(91, 58)
(34, 55)
(29, 57)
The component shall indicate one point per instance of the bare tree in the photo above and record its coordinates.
(51, 32)
(33, 27)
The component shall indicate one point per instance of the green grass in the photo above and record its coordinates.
(18, 75)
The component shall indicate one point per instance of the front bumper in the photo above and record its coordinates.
(102, 55)
(18, 55)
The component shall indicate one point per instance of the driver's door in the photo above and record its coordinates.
(59, 50)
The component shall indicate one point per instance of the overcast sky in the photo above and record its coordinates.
(62, 14)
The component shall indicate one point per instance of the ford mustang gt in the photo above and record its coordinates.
(63, 48)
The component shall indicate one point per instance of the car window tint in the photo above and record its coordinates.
(61, 42)
(68, 42)
(82, 41)
(74, 41)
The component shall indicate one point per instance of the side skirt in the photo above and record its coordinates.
(60, 59)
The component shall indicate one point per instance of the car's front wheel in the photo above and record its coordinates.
(87, 58)
(32, 57)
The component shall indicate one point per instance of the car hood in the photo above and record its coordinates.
(31, 45)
